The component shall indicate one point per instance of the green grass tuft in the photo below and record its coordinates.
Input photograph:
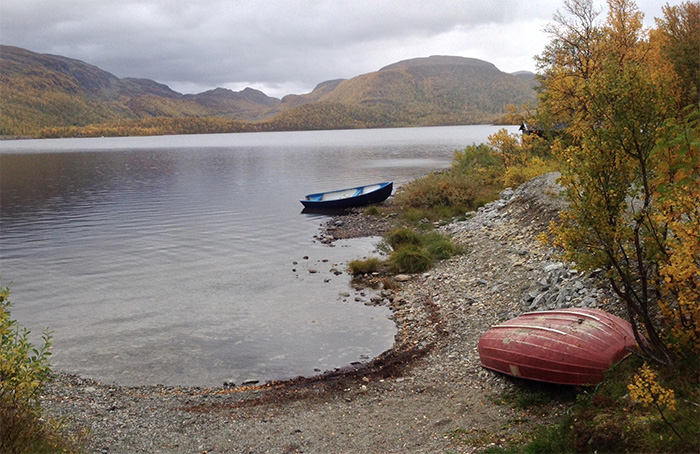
(402, 237)
(411, 259)
(366, 266)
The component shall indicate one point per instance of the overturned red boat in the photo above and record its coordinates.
(568, 346)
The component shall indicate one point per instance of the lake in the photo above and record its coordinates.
(185, 260)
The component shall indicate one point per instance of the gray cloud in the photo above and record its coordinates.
(273, 45)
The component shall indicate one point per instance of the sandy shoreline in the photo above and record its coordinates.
(427, 394)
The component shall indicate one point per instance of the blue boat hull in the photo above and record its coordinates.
(349, 198)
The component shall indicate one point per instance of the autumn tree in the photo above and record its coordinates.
(630, 167)
(678, 37)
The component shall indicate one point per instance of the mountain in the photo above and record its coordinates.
(41, 91)
(322, 89)
(435, 90)
(247, 104)
(528, 77)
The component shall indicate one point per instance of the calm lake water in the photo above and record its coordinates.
(172, 259)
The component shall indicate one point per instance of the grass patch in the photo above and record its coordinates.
(364, 266)
(372, 210)
(402, 237)
(605, 420)
(413, 252)
(411, 259)
(477, 175)
(408, 251)
(440, 246)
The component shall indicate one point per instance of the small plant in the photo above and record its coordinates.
(24, 370)
(440, 245)
(411, 259)
(372, 211)
(366, 266)
(401, 237)
(412, 252)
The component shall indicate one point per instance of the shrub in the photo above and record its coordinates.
(476, 177)
(24, 370)
(535, 166)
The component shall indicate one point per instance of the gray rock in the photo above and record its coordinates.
(553, 267)
(506, 194)
(589, 302)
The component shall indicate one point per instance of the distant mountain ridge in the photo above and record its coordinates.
(441, 60)
(42, 90)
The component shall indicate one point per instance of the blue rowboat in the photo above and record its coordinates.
(350, 197)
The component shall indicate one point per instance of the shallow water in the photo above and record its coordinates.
(172, 259)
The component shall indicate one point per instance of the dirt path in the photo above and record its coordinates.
(428, 394)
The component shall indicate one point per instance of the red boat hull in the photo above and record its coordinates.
(568, 346)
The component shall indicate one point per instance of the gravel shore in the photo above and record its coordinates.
(427, 394)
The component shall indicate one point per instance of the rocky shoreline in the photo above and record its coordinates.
(427, 394)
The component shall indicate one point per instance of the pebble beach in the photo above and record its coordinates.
(428, 393)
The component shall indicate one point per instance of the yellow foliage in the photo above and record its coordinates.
(630, 165)
(646, 390)
(677, 191)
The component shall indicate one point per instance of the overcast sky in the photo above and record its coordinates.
(280, 46)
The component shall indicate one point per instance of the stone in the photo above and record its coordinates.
(553, 267)
(538, 301)
(506, 194)
(589, 302)
(402, 277)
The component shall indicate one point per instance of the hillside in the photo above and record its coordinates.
(435, 90)
(41, 90)
(53, 96)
